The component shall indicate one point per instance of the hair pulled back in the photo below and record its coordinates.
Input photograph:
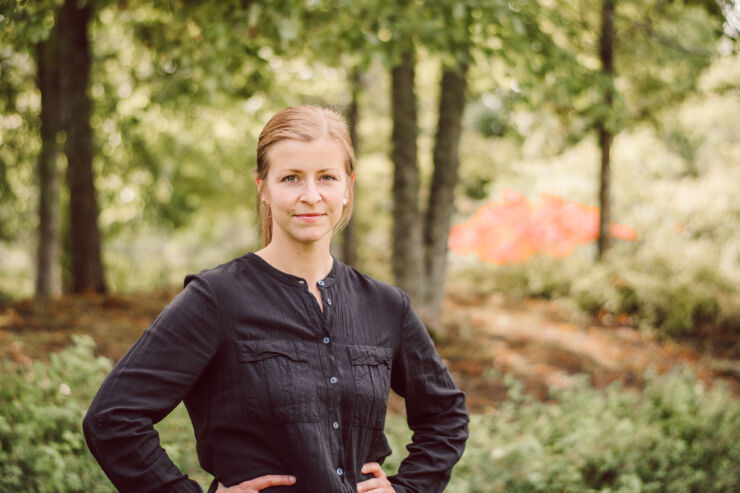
(306, 124)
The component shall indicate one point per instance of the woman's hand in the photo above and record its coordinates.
(379, 484)
(257, 484)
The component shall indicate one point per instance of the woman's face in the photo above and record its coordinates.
(306, 186)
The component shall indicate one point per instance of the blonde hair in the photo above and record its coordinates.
(306, 124)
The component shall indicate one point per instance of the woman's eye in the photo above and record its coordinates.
(329, 178)
(290, 178)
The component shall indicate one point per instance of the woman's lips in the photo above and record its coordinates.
(309, 217)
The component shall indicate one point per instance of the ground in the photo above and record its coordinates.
(544, 345)
(536, 341)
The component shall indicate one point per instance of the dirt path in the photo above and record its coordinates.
(539, 343)
(30, 331)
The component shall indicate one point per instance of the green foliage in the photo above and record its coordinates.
(676, 436)
(675, 303)
(660, 51)
(42, 447)
(27, 22)
(19, 142)
(676, 186)
(180, 93)
(671, 296)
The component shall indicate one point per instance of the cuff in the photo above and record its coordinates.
(397, 487)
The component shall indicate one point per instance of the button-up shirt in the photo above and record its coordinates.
(275, 385)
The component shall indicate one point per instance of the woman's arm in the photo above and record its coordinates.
(145, 385)
(435, 410)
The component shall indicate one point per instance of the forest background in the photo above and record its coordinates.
(127, 136)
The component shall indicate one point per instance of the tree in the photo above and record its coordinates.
(393, 34)
(438, 219)
(606, 54)
(48, 269)
(443, 29)
(455, 46)
(32, 29)
(407, 249)
(54, 33)
(349, 240)
(85, 239)
(652, 51)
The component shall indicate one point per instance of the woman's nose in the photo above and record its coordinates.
(310, 192)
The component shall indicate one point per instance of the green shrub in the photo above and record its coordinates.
(42, 446)
(677, 436)
(669, 296)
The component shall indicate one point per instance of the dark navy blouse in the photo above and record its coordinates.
(275, 385)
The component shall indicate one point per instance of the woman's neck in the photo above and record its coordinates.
(311, 263)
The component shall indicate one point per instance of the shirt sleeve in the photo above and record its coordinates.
(145, 385)
(435, 409)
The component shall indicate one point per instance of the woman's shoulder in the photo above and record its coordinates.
(223, 274)
(374, 290)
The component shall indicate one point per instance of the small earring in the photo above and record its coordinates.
(344, 202)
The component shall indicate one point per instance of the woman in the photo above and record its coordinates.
(284, 357)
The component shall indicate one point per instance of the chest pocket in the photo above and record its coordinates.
(278, 380)
(371, 370)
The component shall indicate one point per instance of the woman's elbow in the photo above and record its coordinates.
(92, 426)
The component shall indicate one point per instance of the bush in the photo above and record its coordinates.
(676, 187)
(677, 436)
(672, 297)
(42, 446)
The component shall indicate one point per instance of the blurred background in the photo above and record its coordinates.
(555, 184)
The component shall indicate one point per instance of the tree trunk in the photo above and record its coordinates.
(85, 249)
(442, 192)
(606, 52)
(349, 245)
(48, 271)
(407, 248)
(604, 241)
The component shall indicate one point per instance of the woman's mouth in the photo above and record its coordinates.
(309, 217)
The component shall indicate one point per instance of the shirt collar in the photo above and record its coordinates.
(290, 279)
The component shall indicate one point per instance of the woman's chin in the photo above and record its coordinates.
(308, 238)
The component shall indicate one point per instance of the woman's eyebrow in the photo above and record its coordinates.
(301, 171)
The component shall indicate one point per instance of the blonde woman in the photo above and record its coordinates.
(284, 357)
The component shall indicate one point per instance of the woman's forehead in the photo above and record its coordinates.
(325, 152)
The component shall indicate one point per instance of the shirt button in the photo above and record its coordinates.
(340, 471)
(335, 425)
(328, 301)
(333, 379)
(326, 340)
(321, 283)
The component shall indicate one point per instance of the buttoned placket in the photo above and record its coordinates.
(322, 320)
(333, 419)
